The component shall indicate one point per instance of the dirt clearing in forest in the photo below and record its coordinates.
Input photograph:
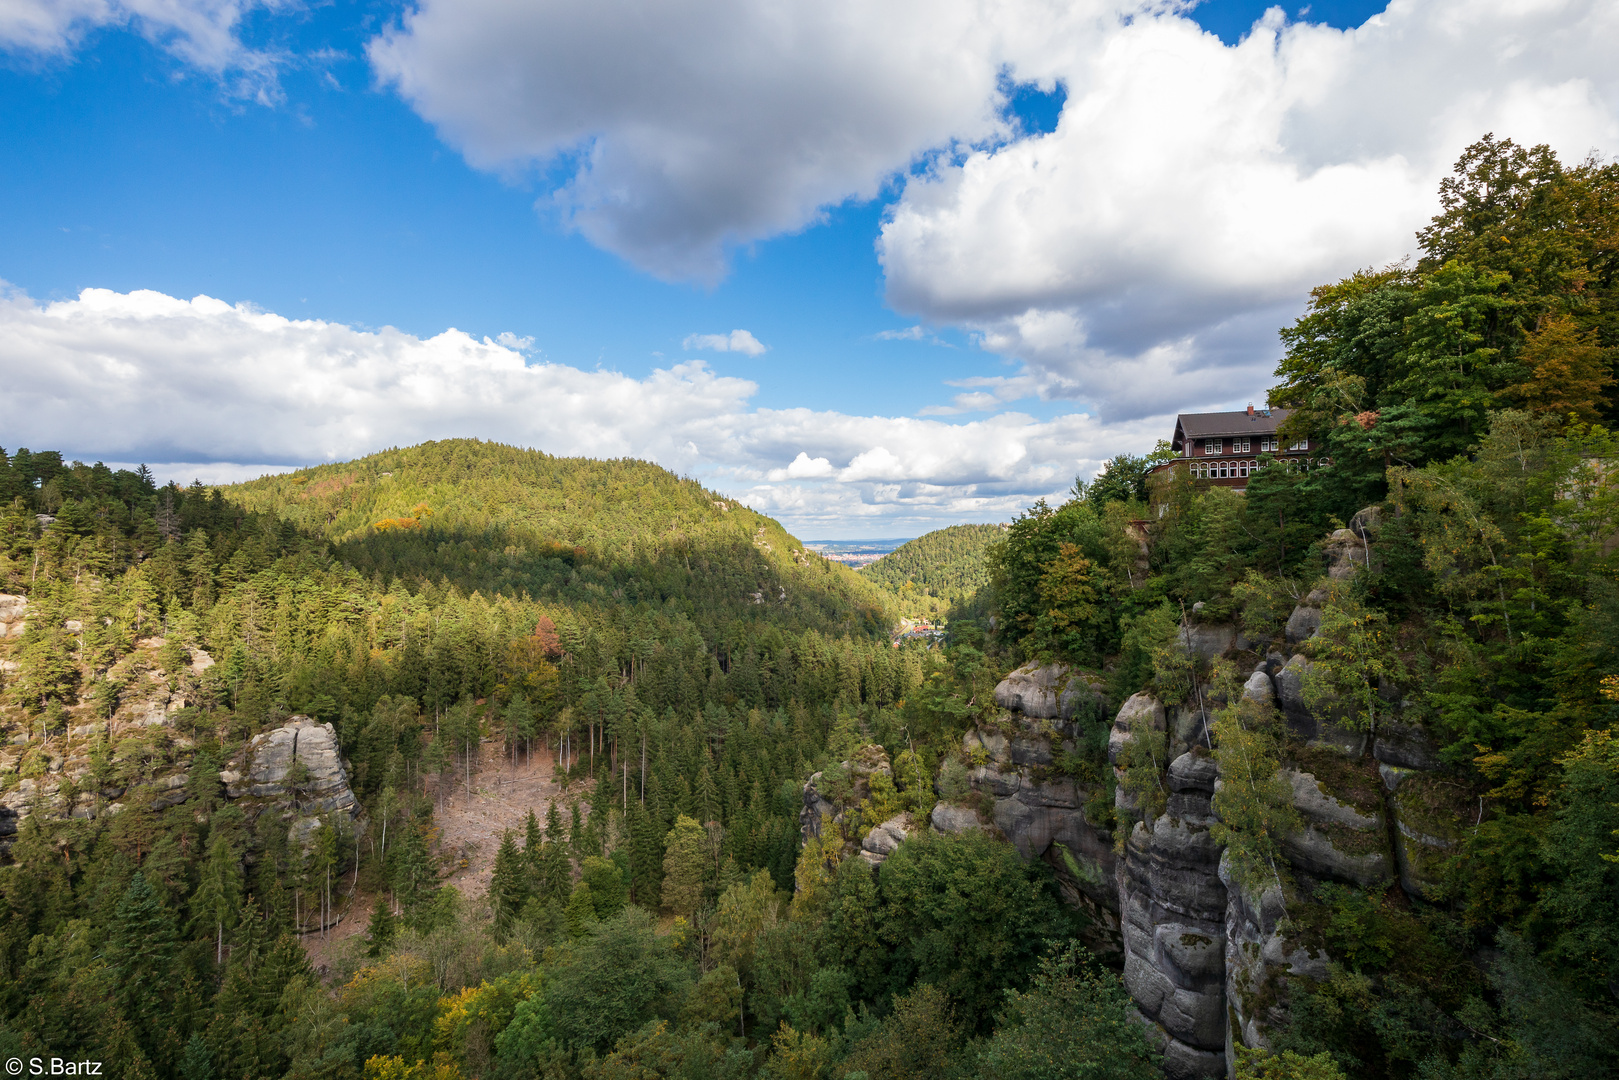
(470, 831)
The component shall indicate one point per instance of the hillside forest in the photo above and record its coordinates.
(932, 573)
(707, 685)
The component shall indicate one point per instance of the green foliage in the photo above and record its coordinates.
(1263, 1065)
(1072, 1023)
(947, 565)
(612, 982)
(1254, 802)
(919, 1040)
(966, 914)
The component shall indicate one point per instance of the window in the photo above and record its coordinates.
(1213, 446)
(1269, 445)
(1302, 444)
(1239, 446)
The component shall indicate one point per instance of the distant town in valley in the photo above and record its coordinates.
(856, 553)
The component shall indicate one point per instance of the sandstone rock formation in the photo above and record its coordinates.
(1174, 906)
(13, 615)
(1058, 817)
(1048, 692)
(264, 781)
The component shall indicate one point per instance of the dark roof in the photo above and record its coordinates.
(1213, 425)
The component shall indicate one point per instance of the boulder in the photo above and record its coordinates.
(1208, 640)
(885, 839)
(1302, 624)
(1049, 692)
(1260, 690)
(1141, 706)
(948, 818)
(1406, 746)
(266, 773)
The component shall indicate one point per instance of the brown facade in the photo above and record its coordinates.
(1224, 448)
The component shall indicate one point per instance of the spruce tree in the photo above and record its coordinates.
(685, 867)
(219, 894)
(140, 952)
(533, 848)
(196, 1063)
(581, 911)
(507, 892)
(381, 929)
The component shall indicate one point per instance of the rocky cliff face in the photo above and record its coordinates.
(1211, 963)
(1039, 778)
(294, 770)
(297, 768)
(828, 799)
(1174, 907)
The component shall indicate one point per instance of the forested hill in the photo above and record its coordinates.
(504, 520)
(947, 564)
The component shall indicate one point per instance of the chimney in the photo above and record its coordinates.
(1250, 410)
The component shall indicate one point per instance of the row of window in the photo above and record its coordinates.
(1229, 470)
(1267, 445)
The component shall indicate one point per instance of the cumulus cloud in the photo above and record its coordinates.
(688, 127)
(736, 341)
(203, 34)
(1139, 256)
(224, 391)
(1144, 252)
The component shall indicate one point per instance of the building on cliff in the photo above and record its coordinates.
(1224, 448)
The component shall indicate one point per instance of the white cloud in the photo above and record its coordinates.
(1142, 255)
(736, 341)
(1139, 257)
(508, 340)
(203, 34)
(688, 127)
(910, 333)
(230, 391)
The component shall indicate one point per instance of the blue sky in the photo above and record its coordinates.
(283, 163)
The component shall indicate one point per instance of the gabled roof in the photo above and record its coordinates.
(1215, 425)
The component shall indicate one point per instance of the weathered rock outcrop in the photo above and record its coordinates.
(1049, 692)
(1173, 906)
(297, 763)
(13, 615)
(1260, 961)
(264, 782)
(1060, 817)
(1340, 840)
(829, 797)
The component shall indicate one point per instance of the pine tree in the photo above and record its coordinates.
(685, 867)
(219, 894)
(507, 892)
(140, 951)
(381, 929)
